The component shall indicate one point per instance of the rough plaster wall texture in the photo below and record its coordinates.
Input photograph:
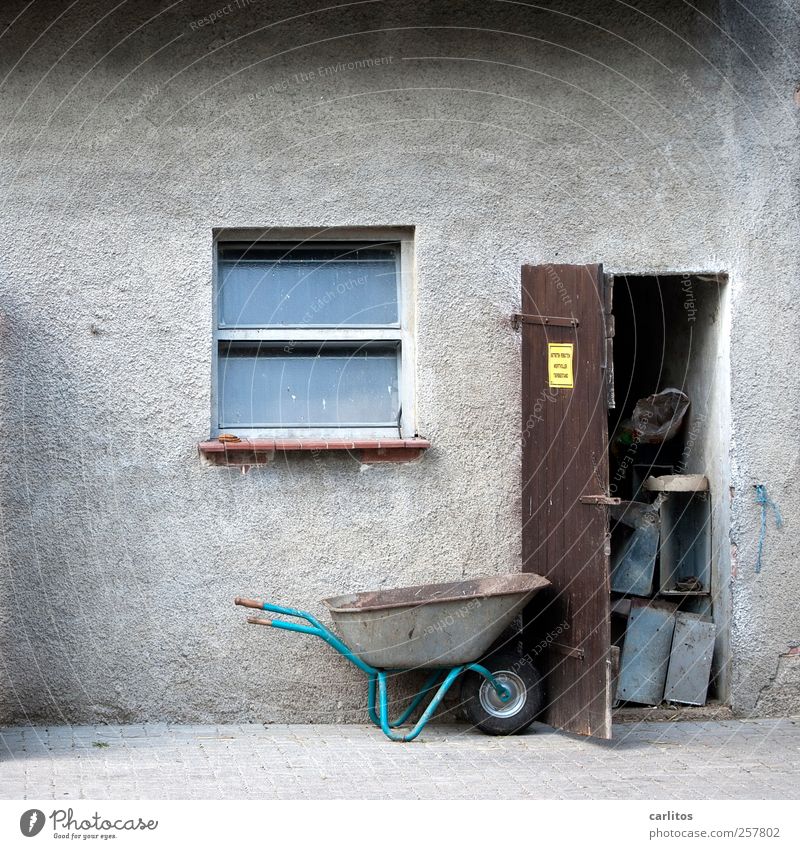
(765, 258)
(505, 134)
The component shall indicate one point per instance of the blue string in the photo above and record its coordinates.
(766, 502)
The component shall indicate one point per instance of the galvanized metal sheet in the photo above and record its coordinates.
(432, 625)
(634, 564)
(690, 659)
(645, 654)
(700, 604)
(685, 539)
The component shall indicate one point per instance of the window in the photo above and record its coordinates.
(313, 338)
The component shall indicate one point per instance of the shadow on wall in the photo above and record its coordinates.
(73, 617)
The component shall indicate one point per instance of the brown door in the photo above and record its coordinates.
(564, 482)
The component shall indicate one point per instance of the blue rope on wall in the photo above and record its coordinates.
(766, 502)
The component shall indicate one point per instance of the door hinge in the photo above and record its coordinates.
(601, 500)
(519, 318)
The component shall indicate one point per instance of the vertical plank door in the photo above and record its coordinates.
(565, 484)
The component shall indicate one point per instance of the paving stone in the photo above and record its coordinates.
(729, 759)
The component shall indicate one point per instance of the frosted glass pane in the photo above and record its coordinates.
(307, 286)
(333, 387)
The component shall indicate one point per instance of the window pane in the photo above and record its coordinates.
(331, 386)
(327, 285)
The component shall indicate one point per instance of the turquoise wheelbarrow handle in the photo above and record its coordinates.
(315, 628)
(249, 602)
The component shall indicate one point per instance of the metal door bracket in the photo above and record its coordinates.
(519, 318)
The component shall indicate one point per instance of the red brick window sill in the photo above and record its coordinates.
(252, 452)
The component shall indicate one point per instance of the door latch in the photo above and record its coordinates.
(600, 500)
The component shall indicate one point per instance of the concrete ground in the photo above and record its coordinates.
(732, 759)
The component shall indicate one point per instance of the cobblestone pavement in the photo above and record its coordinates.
(680, 760)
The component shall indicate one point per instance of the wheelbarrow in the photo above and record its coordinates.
(446, 628)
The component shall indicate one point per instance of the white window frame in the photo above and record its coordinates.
(403, 332)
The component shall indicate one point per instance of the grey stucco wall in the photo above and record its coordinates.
(651, 138)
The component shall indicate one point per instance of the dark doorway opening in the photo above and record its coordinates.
(670, 354)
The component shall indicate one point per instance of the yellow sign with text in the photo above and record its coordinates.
(559, 365)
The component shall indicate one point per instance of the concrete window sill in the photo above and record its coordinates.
(258, 452)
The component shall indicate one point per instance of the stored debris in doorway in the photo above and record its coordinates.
(690, 660)
(685, 553)
(633, 565)
(659, 417)
(645, 655)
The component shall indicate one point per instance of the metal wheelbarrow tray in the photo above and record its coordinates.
(442, 627)
(433, 625)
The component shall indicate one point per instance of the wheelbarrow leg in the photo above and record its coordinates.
(386, 726)
(433, 679)
(427, 713)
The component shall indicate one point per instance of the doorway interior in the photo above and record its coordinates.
(670, 550)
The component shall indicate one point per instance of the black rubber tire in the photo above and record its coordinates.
(525, 675)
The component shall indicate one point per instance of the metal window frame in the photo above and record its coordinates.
(403, 333)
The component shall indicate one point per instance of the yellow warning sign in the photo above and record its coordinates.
(559, 365)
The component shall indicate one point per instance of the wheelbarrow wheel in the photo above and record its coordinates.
(487, 711)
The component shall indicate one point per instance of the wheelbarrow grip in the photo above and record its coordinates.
(257, 620)
(249, 602)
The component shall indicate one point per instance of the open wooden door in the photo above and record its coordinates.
(565, 485)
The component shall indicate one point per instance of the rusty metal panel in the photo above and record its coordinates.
(564, 457)
(645, 654)
(690, 659)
